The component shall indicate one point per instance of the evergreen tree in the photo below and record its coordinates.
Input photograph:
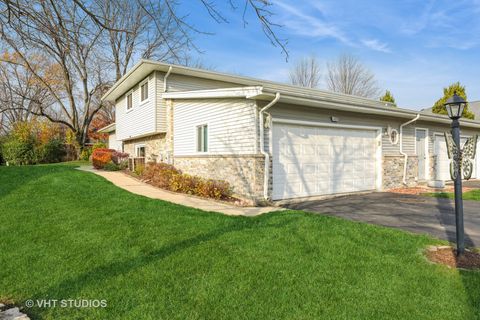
(388, 97)
(448, 92)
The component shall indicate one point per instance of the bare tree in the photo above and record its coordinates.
(348, 75)
(59, 32)
(306, 73)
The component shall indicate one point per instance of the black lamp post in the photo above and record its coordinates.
(455, 106)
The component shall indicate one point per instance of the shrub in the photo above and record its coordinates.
(85, 154)
(111, 167)
(168, 177)
(160, 174)
(101, 157)
(99, 145)
(17, 152)
(120, 158)
(52, 151)
(139, 169)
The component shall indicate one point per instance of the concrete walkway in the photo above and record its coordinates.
(133, 185)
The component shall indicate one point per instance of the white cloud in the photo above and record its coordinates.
(376, 45)
(306, 25)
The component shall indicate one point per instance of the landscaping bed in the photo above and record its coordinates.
(447, 255)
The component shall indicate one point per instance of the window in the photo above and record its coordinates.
(140, 151)
(129, 101)
(144, 91)
(202, 138)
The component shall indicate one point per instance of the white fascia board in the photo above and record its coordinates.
(107, 129)
(240, 92)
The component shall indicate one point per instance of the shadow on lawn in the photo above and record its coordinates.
(15, 177)
(69, 287)
(470, 279)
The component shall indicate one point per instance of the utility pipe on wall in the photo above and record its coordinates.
(401, 148)
(266, 173)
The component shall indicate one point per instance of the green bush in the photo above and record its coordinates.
(86, 153)
(99, 145)
(111, 167)
(17, 152)
(51, 152)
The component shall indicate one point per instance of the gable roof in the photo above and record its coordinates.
(474, 107)
(267, 90)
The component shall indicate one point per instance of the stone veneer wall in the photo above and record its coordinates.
(154, 147)
(243, 172)
(393, 171)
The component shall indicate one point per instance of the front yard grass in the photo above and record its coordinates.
(469, 195)
(67, 234)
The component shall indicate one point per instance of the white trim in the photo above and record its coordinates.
(237, 92)
(378, 149)
(427, 153)
(323, 124)
(136, 146)
(140, 102)
(196, 152)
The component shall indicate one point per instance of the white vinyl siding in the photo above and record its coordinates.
(140, 119)
(177, 82)
(231, 126)
(113, 143)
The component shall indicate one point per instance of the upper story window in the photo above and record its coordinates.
(129, 101)
(144, 91)
(202, 138)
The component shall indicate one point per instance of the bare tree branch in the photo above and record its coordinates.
(306, 73)
(348, 75)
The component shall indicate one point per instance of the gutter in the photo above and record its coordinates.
(165, 78)
(266, 173)
(401, 148)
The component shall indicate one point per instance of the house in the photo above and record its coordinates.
(474, 107)
(275, 141)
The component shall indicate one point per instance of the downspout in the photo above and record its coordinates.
(266, 173)
(165, 78)
(168, 153)
(401, 147)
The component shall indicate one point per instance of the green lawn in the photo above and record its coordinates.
(470, 195)
(66, 234)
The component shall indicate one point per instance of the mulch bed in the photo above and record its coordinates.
(448, 256)
(424, 189)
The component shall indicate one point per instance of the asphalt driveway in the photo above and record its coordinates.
(419, 214)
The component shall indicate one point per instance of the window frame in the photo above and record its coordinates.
(144, 82)
(139, 146)
(129, 93)
(202, 142)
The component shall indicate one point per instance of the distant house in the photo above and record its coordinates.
(271, 140)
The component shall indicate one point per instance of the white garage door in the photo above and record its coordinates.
(442, 161)
(310, 160)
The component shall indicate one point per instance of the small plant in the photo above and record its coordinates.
(111, 167)
(139, 169)
(120, 159)
(99, 145)
(85, 154)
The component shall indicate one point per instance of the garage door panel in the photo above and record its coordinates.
(317, 160)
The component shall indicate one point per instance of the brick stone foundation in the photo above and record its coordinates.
(393, 171)
(154, 147)
(243, 172)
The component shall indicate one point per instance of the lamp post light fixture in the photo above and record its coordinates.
(455, 106)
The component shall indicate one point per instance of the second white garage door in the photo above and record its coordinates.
(443, 163)
(309, 160)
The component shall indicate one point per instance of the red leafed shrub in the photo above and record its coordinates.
(160, 174)
(101, 157)
(168, 177)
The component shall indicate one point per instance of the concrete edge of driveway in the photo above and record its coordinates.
(135, 186)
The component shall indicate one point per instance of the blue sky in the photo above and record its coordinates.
(415, 48)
